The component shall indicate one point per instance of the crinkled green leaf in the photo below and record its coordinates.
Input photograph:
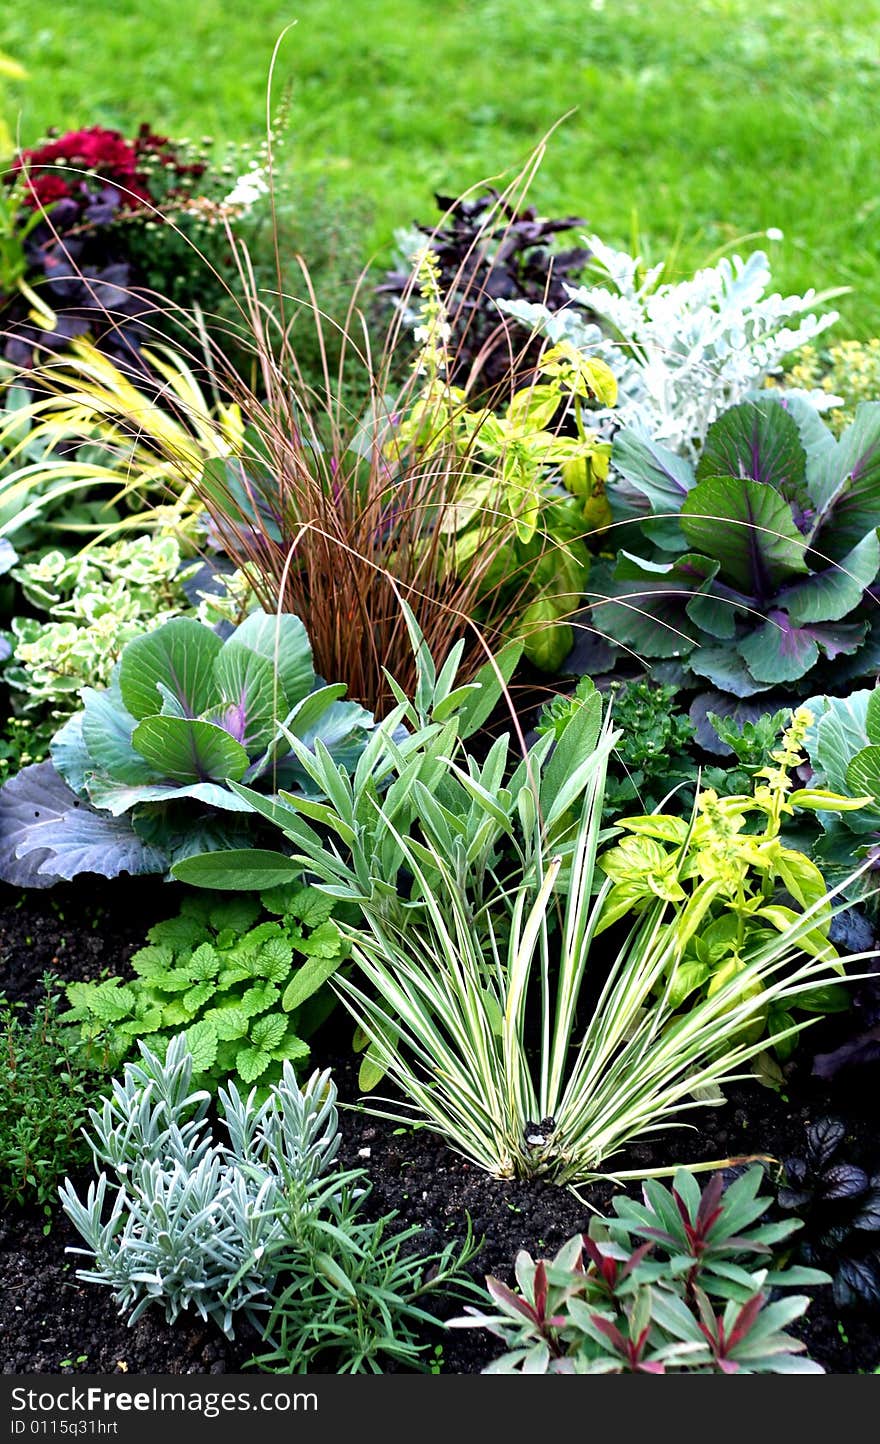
(229, 1021)
(201, 1040)
(324, 942)
(251, 1063)
(276, 957)
(152, 962)
(268, 1032)
(258, 998)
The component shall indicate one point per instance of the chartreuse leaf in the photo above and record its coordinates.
(190, 751)
(533, 408)
(546, 639)
(181, 654)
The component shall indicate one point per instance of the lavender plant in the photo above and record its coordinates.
(191, 1219)
(264, 1227)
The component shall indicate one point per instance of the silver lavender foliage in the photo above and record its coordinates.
(193, 1222)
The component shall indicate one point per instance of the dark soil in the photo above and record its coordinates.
(52, 1323)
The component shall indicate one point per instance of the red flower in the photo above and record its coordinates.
(92, 149)
(44, 189)
(105, 152)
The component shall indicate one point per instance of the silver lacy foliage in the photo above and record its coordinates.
(682, 353)
(186, 1212)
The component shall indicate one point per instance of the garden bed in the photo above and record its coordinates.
(484, 719)
(52, 1323)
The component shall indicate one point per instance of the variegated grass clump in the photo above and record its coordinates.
(537, 1052)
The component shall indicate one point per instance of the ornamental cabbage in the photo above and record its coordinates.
(756, 569)
(141, 776)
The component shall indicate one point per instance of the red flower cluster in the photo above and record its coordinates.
(104, 153)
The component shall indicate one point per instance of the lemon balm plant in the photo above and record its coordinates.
(532, 476)
(734, 879)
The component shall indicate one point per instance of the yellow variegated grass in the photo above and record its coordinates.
(158, 449)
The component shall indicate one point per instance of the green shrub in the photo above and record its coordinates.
(45, 1091)
(651, 756)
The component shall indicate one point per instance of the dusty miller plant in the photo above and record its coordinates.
(682, 353)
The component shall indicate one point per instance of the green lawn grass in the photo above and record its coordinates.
(698, 122)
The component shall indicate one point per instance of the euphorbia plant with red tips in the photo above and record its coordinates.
(705, 1232)
(642, 1311)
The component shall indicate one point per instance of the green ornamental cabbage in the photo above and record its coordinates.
(141, 776)
(760, 563)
